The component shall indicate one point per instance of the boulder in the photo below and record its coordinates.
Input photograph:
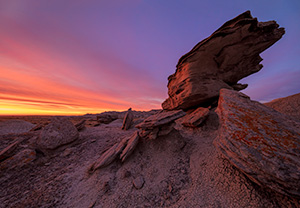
(196, 118)
(59, 132)
(128, 120)
(261, 142)
(220, 61)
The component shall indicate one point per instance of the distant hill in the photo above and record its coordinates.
(288, 105)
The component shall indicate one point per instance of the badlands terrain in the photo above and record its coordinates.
(209, 146)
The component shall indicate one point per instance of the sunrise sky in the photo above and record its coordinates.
(76, 57)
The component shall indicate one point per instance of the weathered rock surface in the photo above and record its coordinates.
(220, 61)
(288, 105)
(160, 119)
(122, 149)
(261, 142)
(59, 132)
(8, 151)
(196, 118)
(19, 160)
(109, 156)
(159, 124)
(81, 125)
(128, 120)
(131, 144)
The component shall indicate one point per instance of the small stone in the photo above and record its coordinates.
(138, 182)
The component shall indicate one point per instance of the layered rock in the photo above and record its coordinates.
(220, 61)
(128, 120)
(261, 142)
(19, 160)
(196, 118)
(122, 150)
(159, 124)
(59, 132)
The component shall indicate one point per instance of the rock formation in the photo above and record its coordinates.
(196, 118)
(260, 142)
(128, 120)
(59, 132)
(159, 124)
(220, 61)
(122, 150)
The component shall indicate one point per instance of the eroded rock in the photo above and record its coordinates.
(22, 158)
(128, 120)
(220, 61)
(196, 118)
(160, 119)
(131, 144)
(59, 132)
(259, 141)
(81, 125)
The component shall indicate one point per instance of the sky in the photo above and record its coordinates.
(71, 57)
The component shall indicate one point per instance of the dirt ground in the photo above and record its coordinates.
(182, 169)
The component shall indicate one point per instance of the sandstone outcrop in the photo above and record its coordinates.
(259, 141)
(131, 144)
(122, 150)
(220, 61)
(196, 118)
(59, 132)
(159, 124)
(128, 120)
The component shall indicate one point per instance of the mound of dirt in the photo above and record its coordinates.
(289, 105)
(15, 126)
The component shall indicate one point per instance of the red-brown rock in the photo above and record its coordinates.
(196, 118)
(128, 120)
(220, 61)
(261, 142)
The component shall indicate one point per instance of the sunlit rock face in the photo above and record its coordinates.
(259, 141)
(220, 61)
